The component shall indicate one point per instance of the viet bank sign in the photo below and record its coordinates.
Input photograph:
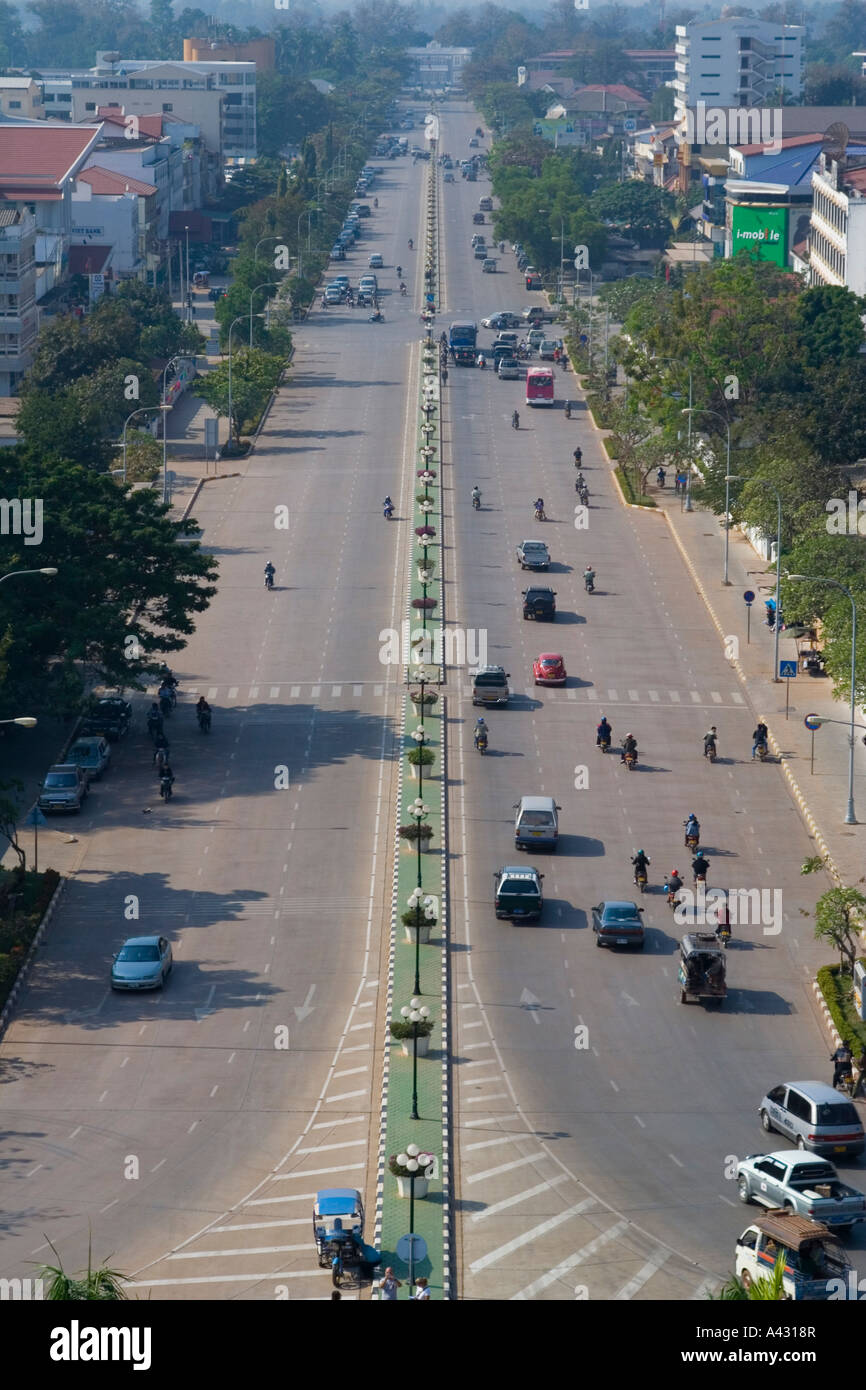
(763, 231)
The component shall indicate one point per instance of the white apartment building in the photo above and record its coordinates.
(837, 234)
(18, 317)
(219, 98)
(731, 63)
(435, 67)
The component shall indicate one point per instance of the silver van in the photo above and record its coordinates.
(536, 823)
(813, 1116)
(490, 686)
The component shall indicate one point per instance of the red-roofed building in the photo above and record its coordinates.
(120, 211)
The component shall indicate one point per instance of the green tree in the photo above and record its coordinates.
(829, 323)
(52, 427)
(254, 376)
(635, 207)
(839, 914)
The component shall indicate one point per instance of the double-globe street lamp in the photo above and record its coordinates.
(417, 902)
(415, 1012)
(850, 817)
(416, 1162)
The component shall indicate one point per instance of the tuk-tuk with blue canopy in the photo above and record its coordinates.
(338, 1229)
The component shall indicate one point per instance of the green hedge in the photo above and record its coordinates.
(851, 1029)
(35, 892)
(625, 482)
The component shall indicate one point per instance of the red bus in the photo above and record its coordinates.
(539, 386)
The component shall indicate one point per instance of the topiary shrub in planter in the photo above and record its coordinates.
(421, 757)
(425, 604)
(428, 531)
(405, 1033)
(413, 832)
(425, 697)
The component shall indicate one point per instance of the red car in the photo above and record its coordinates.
(549, 669)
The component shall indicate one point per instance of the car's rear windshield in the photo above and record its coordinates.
(491, 678)
(842, 1113)
(81, 750)
(536, 818)
(61, 779)
(520, 887)
(619, 914)
(139, 953)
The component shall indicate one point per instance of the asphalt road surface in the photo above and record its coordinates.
(600, 1165)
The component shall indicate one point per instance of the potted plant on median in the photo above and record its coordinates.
(420, 757)
(421, 917)
(413, 833)
(402, 1032)
(423, 697)
(405, 1166)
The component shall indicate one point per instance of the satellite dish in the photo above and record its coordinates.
(835, 140)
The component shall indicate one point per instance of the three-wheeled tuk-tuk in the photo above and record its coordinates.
(338, 1230)
(702, 968)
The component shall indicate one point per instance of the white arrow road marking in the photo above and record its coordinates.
(528, 1001)
(632, 1003)
(207, 1010)
(306, 1008)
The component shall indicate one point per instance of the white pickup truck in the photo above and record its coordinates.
(808, 1186)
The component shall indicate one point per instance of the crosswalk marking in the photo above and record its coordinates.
(506, 1167)
(233, 692)
(696, 699)
(612, 695)
(346, 1095)
(254, 692)
(737, 697)
(356, 689)
(572, 694)
(654, 696)
(674, 696)
(295, 692)
(715, 697)
(315, 692)
(211, 695)
(519, 1197)
(275, 692)
(633, 695)
(377, 689)
(336, 691)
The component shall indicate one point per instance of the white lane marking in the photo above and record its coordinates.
(332, 1124)
(519, 1197)
(350, 1071)
(294, 692)
(261, 1225)
(482, 1144)
(316, 1172)
(233, 692)
(643, 1276)
(336, 691)
(275, 692)
(506, 1167)
(674, 697)
(633, 695)
(254, 692)
(346, 1095)
(696, 699)
(250, 1250)
(473, 1046)
(359, 1047)
(315, 692)
(737, 697)
(473, 1100)
(357, 1027)
(526, 1237)
(481, 1062)
(229, 1278)
(715, 697)
(640, 1121)
(654, 696)
(327, 1148)
(674, 1158)
(539, 1285)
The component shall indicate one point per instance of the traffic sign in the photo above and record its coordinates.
(787, 670)
(411, 1248)
(812, 722)
(749, 596)
(34, 817)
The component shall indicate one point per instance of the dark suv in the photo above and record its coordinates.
(110, 716)
(539, 604)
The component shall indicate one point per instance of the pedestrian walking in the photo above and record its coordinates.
(421, 1290)
(444, 376)
(388, 1286)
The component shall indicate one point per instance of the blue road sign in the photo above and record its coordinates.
(34, 817)
(749, 596)
(787, 670)
(411, 1247)
(812, 721)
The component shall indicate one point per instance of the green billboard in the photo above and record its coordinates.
(761, 230)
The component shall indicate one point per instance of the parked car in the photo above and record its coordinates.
(111, 716)
(547, 348)
(338, 252)
(517, 893)
(64, 788)
(485, 204)
(91, 753)
(502, 320)
(549, 669)
(473, 143)
(508, 369)
(143, 962)
(364, 210)
(533, 555)
(376, 262)
(540, 604)
(809, 1186)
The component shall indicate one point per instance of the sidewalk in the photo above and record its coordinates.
(821, 794)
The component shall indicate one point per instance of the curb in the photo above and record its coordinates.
(9, 1006)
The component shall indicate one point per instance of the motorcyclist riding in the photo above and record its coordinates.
(476, 497)
(842, 1060)
(269, 575)
(568, 410)
(583, 494)
(759, 738)
(203, 711)
(710, 741)
(578, 457)
(673, 884)
(700, 866)
(693, 828)
(640, 864)
(481, 730)
(515, 421)
(629, 745)
(167, 699)
(402, 288)
(399, 272)
(589, 579)
(580, 481)
(603, 733)
(410, 243)
(154, 720)
(388, 507)
(538, 504)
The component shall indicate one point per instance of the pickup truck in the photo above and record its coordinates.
(808, 1186)
(539, 313)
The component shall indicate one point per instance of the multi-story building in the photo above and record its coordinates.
(435, 67)
(837, 237)
(18, 318)
(21, 96)
(219, 98)
(732, 63)
(111, 208)
(261, 51)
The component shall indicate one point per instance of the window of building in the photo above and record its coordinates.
(15, 106)
(167, 106)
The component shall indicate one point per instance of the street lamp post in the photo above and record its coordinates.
(15, 574)
(415, 902)
(267, 284)
(275, 237)
(729, 477)
(187, 304)
(850, 817)
(171, 360)
(418, 811)
(313, 212)
(414, 1161)
(415, 1012)
(142, 410)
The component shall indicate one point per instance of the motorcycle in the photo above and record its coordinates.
(165, 785)
(515, 421)
(762, 752)
(723, 932)
(589, 582)
(672, 893)
(710, 751)
(630, 760)
(160, 758)
(583, 494)
(603, 742)
(568, 410)
(165, 705)
(269, 579)
(204, 717)
(154, 726)
(476, 502)
(403, 291)
(388, 511)
(640, 879)
(691, 841)
(481, 743)
(539, 514)
(377, 316)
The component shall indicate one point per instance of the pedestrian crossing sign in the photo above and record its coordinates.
(787, 670)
